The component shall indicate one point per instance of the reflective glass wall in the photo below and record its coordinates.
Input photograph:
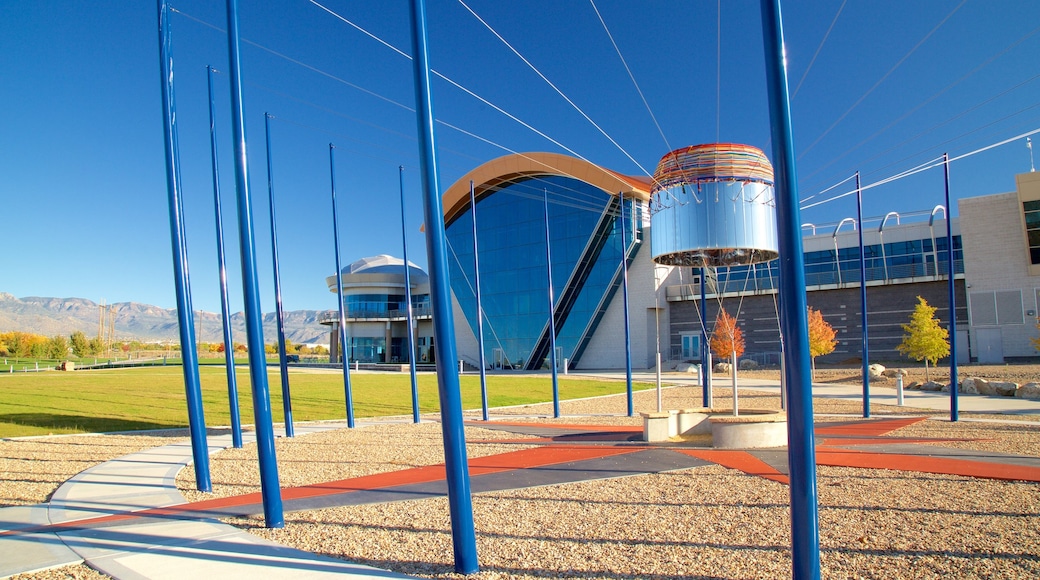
(586, 258)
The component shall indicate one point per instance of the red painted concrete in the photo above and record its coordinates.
(869, 428)
(741, 460)
(924, 464)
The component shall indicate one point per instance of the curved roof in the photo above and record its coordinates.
(518, 165)
(378, 270)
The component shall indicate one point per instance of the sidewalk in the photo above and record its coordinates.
(154, 547)
(878, 395)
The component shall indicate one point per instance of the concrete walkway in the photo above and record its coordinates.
(878, 395)
(151, 547)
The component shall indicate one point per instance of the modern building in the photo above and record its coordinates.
(375, 309)
(524, 199)
(1002, 268)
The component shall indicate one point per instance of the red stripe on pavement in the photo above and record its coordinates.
(869, 428)
(741, 460)
(925, 464)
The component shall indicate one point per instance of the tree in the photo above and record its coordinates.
(80, 344)
(821, 337)
(57, 347)
(727, 339)
(924, 339)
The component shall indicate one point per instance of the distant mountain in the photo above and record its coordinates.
(51, 316)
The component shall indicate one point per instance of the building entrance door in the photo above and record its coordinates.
(989, 345)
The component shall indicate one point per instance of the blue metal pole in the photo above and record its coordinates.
(801, 454)
(954, 413)
(624, 292)
(460, 503)
(705, 367)
(408, 297)
(270, 492)
(552, 310)
(283, 365)
(185, 314)
(863, 300)
(480, 307)
(347, 393)
(229, 345)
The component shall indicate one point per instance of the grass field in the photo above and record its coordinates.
(153, 397)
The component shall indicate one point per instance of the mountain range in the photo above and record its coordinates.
(144, 322)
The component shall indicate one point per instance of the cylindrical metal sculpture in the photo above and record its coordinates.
(712, 205)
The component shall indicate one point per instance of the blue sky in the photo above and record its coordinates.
(82, 183)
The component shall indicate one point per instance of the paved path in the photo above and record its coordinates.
(87, 520)
(127, 519)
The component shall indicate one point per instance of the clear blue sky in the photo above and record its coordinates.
(82, 180)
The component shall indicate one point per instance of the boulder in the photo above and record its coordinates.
(892, 373)
(983, 387)
(686, 368)
(722, 367)
(913, 386)
(932, 386)
(747, 365)
(968, 387)
(1004, 389)
(1029, 391)
(876, 370)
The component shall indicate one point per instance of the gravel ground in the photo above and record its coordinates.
(74, 572)
(707, 522)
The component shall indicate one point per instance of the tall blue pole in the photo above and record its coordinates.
(624, 292)
(460, 503)
(705, 367)
(283, 365)
(270, 492)
(229, 345)
(480, 306)
(185, 315)
(863, 300)
(347, 393)
(408, 297)
(552, 310)
(954, 413)
(801, 454)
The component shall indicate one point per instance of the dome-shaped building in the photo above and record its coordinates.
(375, 308)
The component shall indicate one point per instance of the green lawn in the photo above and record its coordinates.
(153, 397)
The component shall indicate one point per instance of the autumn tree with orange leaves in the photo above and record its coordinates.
(821, 337)
(727, 339)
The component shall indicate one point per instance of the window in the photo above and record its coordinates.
(1032, 213)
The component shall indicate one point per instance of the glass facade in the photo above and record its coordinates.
(586, 259)
(384, 305)
(911, 259)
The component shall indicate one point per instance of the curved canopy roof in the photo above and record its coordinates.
(516, 166)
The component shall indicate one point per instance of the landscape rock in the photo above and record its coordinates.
(1029, 391)
(892, 373)
(747, 364)
(686, 368)
(722, 367)
(913, 386)
(968, 387)
(983, 387)
(876, 370)
(932, 386)
(1004, 389)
